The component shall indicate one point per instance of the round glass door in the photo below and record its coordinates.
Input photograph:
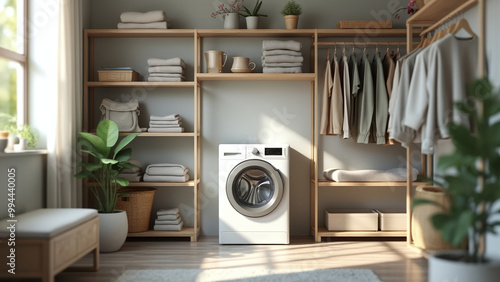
(254, 188)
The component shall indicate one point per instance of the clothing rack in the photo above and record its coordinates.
(362, 43)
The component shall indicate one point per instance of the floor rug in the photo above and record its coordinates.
(249, 275)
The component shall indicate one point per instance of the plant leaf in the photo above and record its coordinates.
(84, 174)
(124, 155)
(108, 161)
(122, 182)
(108, 131)
(463, 140)
(124, 142)
(97, 142)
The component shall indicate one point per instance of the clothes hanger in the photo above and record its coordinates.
(335, 52)
(364, 49)
(328, 54)
(343, 50)
(462, 24)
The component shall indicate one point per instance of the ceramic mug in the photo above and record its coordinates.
(242, 64)
(216, 60)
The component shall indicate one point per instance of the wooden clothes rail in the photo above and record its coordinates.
(380, 44)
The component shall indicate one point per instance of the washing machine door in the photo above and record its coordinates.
(254, 188)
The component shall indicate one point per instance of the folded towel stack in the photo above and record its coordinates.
(166, 173)
(165, 124)
(151, 19)
(133, 174)
(168, 220)
(281, 56)
(166, 69)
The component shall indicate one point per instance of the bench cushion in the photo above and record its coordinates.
(46, 223)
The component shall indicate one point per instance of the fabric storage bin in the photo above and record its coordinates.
(118, 75)
(351, 220)
(392, 219)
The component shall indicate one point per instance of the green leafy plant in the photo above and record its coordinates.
(110, 162)
(25, 131)
(291, 8)
(471, 174)
(255, 12)
(8, 123)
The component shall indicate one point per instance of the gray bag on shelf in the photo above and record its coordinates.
(126, 115)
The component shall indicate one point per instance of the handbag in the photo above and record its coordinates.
(125, 115)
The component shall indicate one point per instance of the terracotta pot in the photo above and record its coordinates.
(424, 235)
(291, 21)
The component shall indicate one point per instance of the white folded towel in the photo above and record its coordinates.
(166, 69)
(165, 118)
(133, 177)
(282, 70)
(147, 17)
(281, 52)
(156, 25)
(282, 59)
(164, 79)
(395, 174)
(281, 65)
(137, 168)
(166, 130)
(281, 44)
(174, 211)
(164, 74)
(168, 222)
(166, 62)
(165, 178)
(164, 126)
(169, 216)
(167, 169)
(165, 122)
(163, 227)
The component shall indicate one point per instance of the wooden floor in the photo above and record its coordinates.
(390, 260)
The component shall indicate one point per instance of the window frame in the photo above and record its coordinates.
(22, 59)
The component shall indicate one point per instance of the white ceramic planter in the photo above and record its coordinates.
(232, 21)
(252, 22)
(113, 229)
(442, 269)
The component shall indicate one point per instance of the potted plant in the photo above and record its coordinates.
(110, 161)
(230, 12)
(252, 17)
(292, 10)
(471, 179)
(28, 137)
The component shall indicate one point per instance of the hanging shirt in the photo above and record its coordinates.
(389, 70)
(355, 89)
(346, 91)
(327, 93)
(451, 66)
(336, 105)
(366, 102)
(392, 98)
(381, 101)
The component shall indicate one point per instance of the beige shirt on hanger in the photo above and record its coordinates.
(327, 93)
(336, 105)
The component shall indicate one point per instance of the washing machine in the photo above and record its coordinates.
(254, 194)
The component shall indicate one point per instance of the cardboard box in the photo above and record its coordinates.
(392, 219)
(118, 75)
(351, 220)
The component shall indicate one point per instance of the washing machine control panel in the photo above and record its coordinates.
(273, 151)
(255, 151)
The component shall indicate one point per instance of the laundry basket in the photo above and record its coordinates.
(137, 204)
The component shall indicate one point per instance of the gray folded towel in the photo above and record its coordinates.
(281, 65)
(395, 174)
(156, 25)
(282, 70)
(137, 168)
(165, 118)
(166, 130)
(173, 211)
(282, 59)
(167, 227)
(164, 74)
(147, 17)
(281, 44)
(165, 122)
(166, 69)
(164, 126)
(165, 178)
(133, 177)
(167, 169)
(164, 79)
(168, 222)
(166, 62)
(169, 217)
(281, 52)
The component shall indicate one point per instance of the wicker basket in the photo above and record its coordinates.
(138, 206)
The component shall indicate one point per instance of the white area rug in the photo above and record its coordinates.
(249, 275)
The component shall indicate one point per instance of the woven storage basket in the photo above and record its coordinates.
(138, 206)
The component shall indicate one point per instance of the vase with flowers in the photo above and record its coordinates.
(230, 12)
(411, 9)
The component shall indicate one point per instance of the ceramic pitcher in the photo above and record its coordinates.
(242, 64)
(216, 60)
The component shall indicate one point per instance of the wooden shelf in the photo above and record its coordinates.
(145, 84)
(139, 33)
(185, 232)
(323, 232)
(190, 183)
(255, 32)
(256, 76)
(439, 9)
(366, 32)
(327, 183)
(160, 134)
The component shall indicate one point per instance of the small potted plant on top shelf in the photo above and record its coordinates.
(230, 11)
(252, 17)
(292, 10)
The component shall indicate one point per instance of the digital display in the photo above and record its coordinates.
(273, 151)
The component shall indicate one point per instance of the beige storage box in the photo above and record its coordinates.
(392, 219)
(351, 220)
(118, 75)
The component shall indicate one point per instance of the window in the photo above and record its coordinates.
(13, 61)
